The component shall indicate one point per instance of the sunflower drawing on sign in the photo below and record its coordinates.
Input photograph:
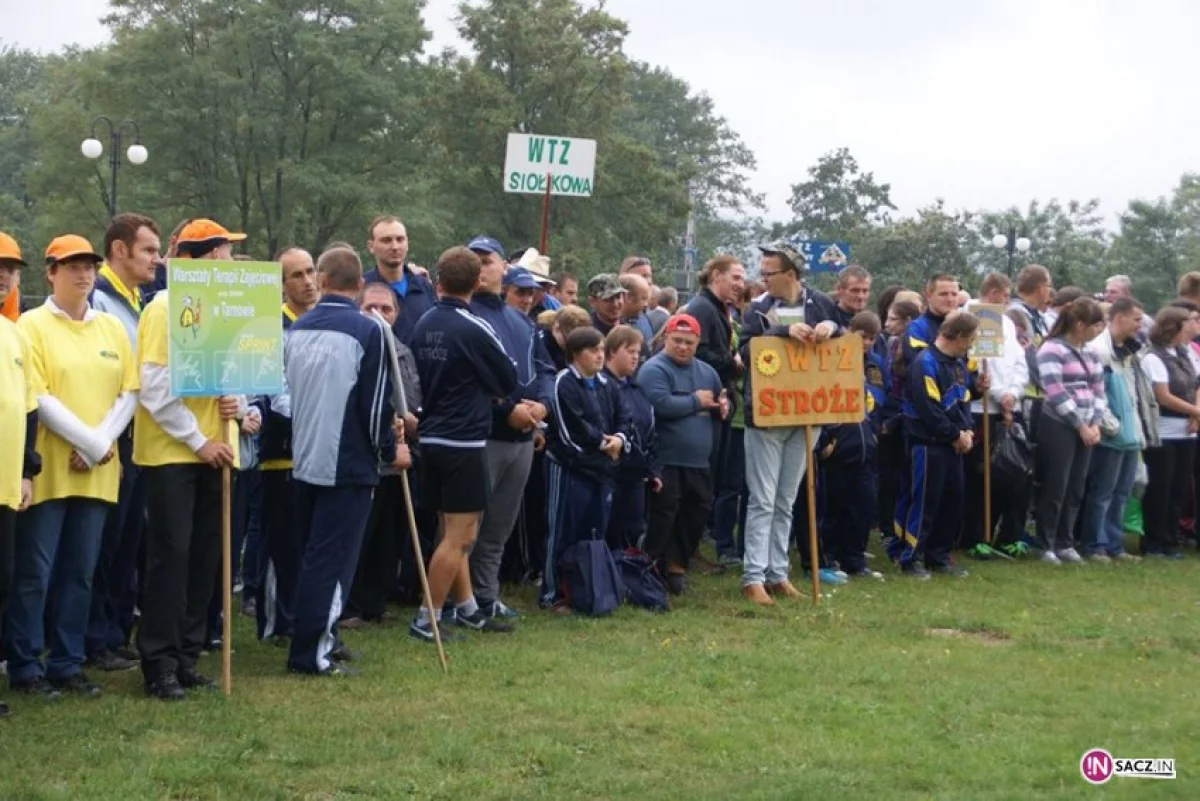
(189, 317)
(769, 363)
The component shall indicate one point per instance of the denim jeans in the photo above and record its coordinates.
(775, 461)
(1109, 482)
(58, 544)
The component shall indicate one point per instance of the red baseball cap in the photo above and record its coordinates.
(683, 322)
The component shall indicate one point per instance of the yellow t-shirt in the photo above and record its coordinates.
(153, 447)
(86, 365)
(16, 401)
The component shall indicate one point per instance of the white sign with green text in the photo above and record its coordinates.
(569, 163)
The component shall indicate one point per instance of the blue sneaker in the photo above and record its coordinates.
(498, 609)
(829, 576)
(421, 630)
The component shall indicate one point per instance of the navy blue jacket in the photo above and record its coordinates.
(275, 436)
(335, 362)
(920, 334)
(558, 356)
(535, 372)
(584, 411)
(818, 308)
(464, 371)
(716, 335)
(855, 443)
(419, 299)
(937, 406)
(640, 462)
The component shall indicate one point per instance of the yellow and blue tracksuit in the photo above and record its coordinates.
(847, 478)
(936, 410)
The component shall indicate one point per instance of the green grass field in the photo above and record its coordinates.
(863, 697)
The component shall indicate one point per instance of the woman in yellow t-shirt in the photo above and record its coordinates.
(85, 380)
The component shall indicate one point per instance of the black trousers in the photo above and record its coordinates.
(183, 551)
(678, 514)
(800, 522)
(1010, 502)
(850, 507)
(525, 552)
(375, 580)
(8, 538)
(891, 456)
(1169, 467)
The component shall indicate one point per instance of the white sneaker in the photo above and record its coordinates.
(1070, 555)
(842, 574)
(1100, 558)
(1049, 558)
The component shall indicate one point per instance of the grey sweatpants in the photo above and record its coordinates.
(508, 467)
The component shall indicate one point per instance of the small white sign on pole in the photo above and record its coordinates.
(570, 164)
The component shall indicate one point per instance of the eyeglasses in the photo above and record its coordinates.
(771, 274)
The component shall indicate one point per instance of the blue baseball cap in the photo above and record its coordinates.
(486, 244)
(521, 279)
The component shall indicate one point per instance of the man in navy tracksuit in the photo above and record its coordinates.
(281, 546)
(847, 464)
(590, 432)
(131, 250)
(464, 371)
(387, 239)
(515, 419)
(335, 364)
(639, 467)
(938, 430)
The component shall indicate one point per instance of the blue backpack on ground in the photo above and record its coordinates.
(644, 587)
(590, 578)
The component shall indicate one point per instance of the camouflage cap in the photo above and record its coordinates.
(789, 252)
(605, 286)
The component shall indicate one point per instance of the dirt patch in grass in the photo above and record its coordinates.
(984, 636)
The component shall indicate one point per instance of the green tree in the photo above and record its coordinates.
(22, 73)
(1070, 241)
(839, 200)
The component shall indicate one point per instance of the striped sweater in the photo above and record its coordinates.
(1073, 382)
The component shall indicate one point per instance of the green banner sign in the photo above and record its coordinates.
(226, 332)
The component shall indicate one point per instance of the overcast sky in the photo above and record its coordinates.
(983, 103)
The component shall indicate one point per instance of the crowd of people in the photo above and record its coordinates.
(527, 424)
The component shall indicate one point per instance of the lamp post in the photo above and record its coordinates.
(137, 154)
(1011, 244)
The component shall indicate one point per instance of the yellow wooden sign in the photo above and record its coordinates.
(794, 384)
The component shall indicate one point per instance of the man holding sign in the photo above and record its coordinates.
(180, 444)
(776, 457)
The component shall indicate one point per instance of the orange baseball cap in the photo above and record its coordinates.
(69, 246)
(9, 250)
(202, 230)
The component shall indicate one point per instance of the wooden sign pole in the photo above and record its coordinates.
(810, 489)
(542, 242)
(226, 571)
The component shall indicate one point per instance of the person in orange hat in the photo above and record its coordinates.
(19, 461)
(85, 380)
(180, 445)
(10, 278)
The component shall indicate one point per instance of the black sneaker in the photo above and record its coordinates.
(333, 671)
(341, 653)
(126, 653)
(3, 711)
(109, 662)
(424, 632)
(915, 571)
(166, 688)
(478, 621)
(675, 582)
(37, 686)
(191, 679)
(956, 571)
(77, 685)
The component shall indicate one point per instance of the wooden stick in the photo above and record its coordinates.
(810, 488)
(420, 560)
(226, 570)
(542, 242)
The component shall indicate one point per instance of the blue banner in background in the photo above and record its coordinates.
(825, 257)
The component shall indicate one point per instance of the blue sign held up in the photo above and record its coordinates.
(825, 257)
